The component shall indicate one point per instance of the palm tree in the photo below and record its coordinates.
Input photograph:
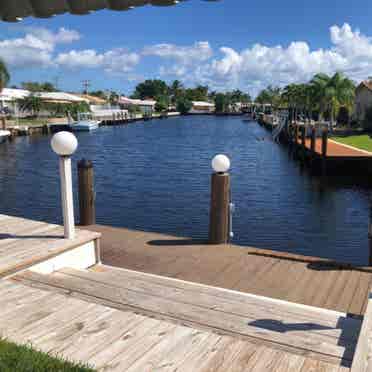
(340, 91)
(4, 80)
(333, 92)
(176, 90)
(319, 84)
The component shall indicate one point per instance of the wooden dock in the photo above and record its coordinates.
(173, 304)
(300, 279)
(336, 149)
(25, 243)
(204, 328)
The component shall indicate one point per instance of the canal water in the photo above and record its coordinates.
(155, 176)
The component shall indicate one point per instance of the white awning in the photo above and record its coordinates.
(16, 10)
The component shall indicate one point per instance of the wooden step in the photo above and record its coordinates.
(322, 334)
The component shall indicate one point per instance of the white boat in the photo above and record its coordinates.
(4, 135)
(84, 123)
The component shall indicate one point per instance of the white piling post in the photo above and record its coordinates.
(64, 144)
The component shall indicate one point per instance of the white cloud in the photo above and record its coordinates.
(116, 61)
(260, 65)
(35, 48)
(199, 51)
(252, 68)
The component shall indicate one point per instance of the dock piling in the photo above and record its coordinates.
(86, 193)
(324, 151)
(303, 136)
(220, 200)
(324, 142)
(313, 140)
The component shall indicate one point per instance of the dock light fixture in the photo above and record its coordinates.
(221, 163)
(220, 208)
(65, 144)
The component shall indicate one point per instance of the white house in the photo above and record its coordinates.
(9, 98)
(201, 107)
(146, 106)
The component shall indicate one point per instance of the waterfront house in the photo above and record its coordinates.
(93, 100)
(9, 100)
(201, 107)
(363, 99)
(145, 106)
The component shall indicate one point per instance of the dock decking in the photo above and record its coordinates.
(248, 313)
(299, 279)
(24, 242)
(336, 149)
(251, 327)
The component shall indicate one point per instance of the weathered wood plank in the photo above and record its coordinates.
(162, 254)
(362, 361)
(132, 345)
(122, 276)
(240, 325)
(332, 326)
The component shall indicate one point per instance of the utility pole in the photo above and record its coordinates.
(86, 85)
(56, 82)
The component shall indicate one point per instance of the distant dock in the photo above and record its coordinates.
(323, 155)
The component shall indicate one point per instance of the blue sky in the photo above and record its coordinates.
(227, 44)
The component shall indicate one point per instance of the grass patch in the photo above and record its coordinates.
(15, 358)
(30, 122)
(363, 141)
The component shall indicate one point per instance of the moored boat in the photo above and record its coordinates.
(85, 123)
(4, 135)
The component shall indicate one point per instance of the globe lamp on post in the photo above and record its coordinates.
(65, 144)
(219, 218)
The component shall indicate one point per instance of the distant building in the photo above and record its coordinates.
(201, 107)
(93, 100)
(9, 99)
(363, 99)
(146, 106)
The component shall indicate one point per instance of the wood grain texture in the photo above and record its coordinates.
(114, 340)
(24, 242)
(329, 335)
(294, 278)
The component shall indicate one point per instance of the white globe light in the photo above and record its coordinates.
(221, 163)
(64, 143)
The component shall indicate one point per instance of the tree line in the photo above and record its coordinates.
(323, 97)
(177, 95)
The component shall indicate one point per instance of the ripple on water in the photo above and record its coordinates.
(155, 176)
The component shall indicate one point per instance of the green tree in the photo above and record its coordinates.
(98, 93)
(162, 104)
(151, 89)
(271, 95)
(33, 86)
(114, 98)
(200, 93)
(222, 102)
(4, 75)
(238, 96)
(184, 106)
(176, 90)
